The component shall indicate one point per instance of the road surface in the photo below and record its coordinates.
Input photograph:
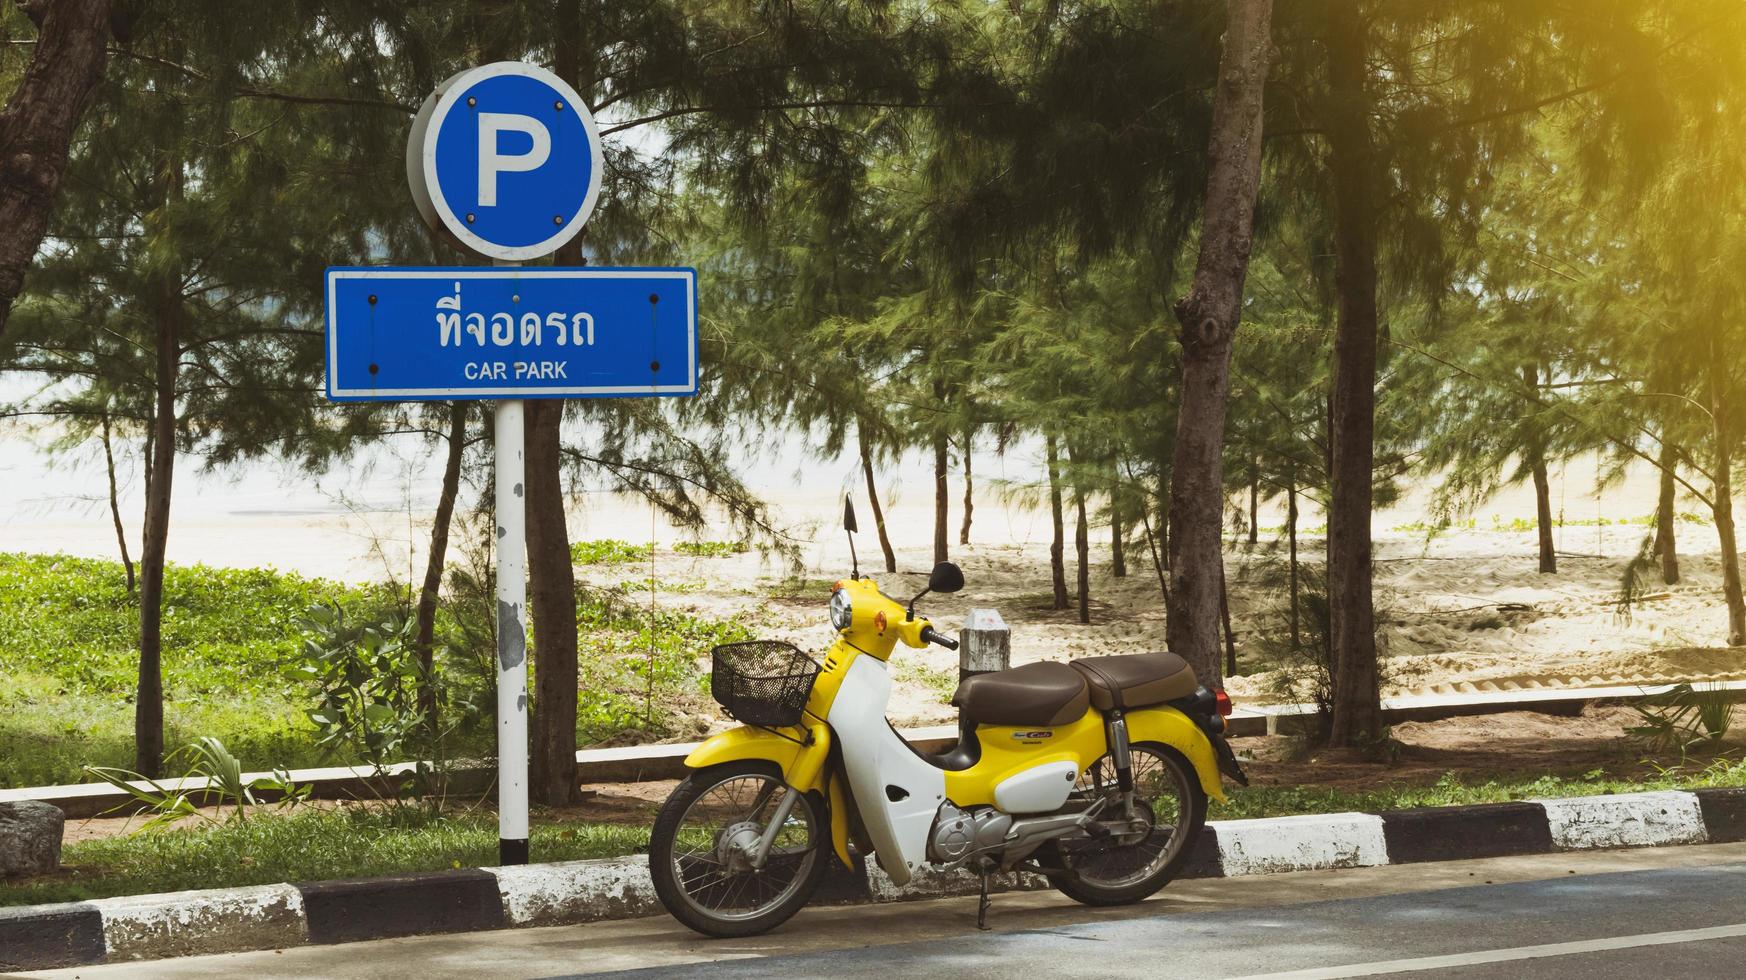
(1677, 911)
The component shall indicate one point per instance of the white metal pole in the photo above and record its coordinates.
(511, 636)
(511, 630)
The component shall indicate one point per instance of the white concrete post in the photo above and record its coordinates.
(985, 643)
(511, 636)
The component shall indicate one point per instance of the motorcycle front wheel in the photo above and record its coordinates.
(700, 850)
(1117, 870)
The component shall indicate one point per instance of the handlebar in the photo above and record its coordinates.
(931, 636)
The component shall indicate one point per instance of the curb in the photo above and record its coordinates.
(276, 916)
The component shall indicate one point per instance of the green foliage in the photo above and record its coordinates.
(1684, 717)
(607, 552)
(67, 633)
(710, 549)
(635, 678)
(217, 780)
(369, 685)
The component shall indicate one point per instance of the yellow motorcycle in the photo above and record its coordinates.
(1095, 773)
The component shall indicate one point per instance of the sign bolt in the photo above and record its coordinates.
(557, 219)
(372, 299)
(469, 219)
(472, 102)
(516, 298)
(559, 105)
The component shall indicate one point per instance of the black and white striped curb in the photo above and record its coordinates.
(277, 916)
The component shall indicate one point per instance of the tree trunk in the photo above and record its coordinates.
(1357, 710)
(1082, 550)
(551, 576)
(942, 505)
(964, 529)
(1665, 546)
(1720, 412)
(37, 125)
(148, 709)
(552, 593)
(1118, 557)
(1254, 501)
(1209, 315)
(1535, 450)
(435, 562)
(115, 504)
(873, 498)
(1225, 618)
(1291, 538)
(1152, 546)
(1058, 543)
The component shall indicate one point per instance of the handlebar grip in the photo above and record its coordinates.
(931, 636)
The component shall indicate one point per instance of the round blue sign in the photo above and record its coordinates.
(506, 158)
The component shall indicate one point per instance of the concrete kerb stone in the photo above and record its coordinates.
(1625, 820)
(576, 891)
(214, 921)
(1310, 842)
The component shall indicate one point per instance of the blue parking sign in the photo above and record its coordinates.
(505, 158)
(425, 334)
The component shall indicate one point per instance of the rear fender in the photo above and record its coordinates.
(1175, 729)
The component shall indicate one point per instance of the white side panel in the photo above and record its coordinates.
(1039, 789)
(876, 758)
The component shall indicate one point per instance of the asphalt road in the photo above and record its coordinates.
(1666, 912)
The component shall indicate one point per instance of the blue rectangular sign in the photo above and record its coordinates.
(432, 334)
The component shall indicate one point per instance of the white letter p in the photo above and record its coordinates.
(492, 163)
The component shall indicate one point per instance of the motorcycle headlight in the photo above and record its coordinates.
(842, 612)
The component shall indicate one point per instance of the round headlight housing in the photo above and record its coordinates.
(842, 611)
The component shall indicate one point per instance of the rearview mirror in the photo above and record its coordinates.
(849, 515)
(946, 578)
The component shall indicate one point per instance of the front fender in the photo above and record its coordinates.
(803, 766)
(1177, 730)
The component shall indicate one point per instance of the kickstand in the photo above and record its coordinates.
(982, 903)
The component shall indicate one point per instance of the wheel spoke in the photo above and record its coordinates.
(714, 838)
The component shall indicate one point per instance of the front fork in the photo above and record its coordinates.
(784, 807)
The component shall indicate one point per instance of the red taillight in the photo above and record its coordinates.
(1223, 701)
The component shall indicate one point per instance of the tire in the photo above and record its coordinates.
(1090, 881)
(735, 796)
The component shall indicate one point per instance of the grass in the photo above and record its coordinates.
(309, 845)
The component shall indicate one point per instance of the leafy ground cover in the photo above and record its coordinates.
(68, 662)
(68, 629)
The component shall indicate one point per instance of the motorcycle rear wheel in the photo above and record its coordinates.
(1166, 783)
(703, 879)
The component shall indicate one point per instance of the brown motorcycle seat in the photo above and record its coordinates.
(1045, 694)
(1137, 680)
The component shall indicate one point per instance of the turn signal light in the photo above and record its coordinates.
(1223, 701)
(836, 586)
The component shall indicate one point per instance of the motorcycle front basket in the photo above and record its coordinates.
(762, 682)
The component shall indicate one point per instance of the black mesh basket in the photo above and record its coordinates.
(762, 682)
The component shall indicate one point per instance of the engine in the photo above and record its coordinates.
(959, 834)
